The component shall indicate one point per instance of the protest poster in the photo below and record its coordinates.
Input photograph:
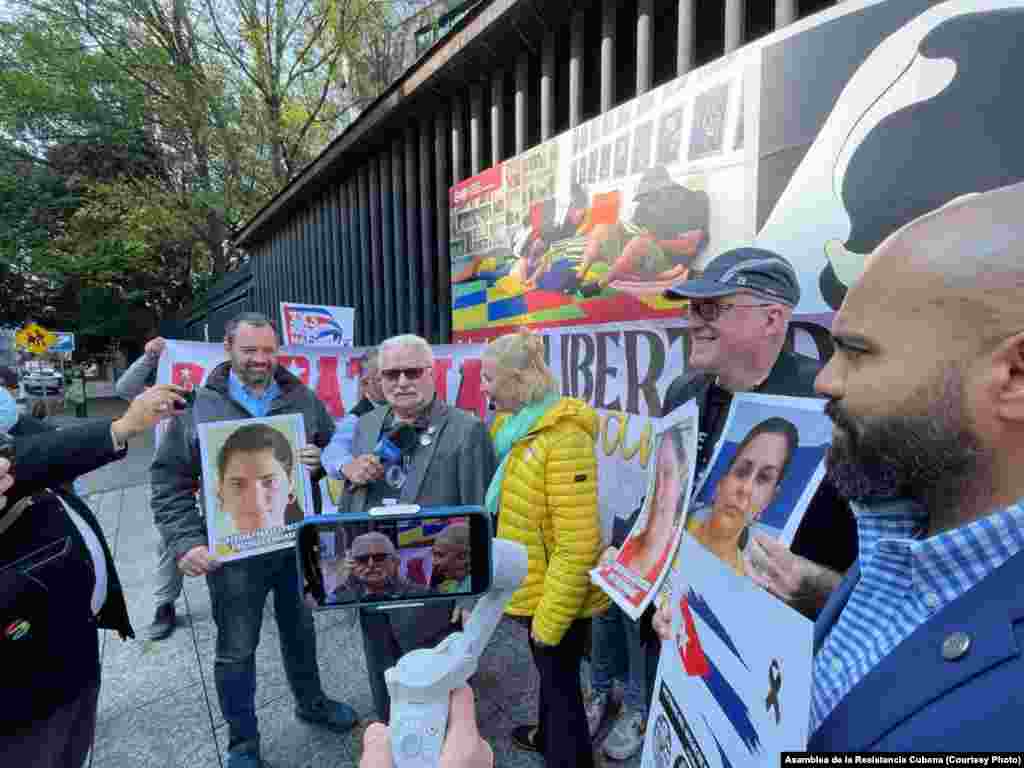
(622, 370)
(734, 680)
(255, 490)
(633, 578)
(762, 475)
(317, 325)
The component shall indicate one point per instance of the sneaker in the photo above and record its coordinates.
(626, 737)
(245, 755)
(597, 708)
(163, 622)
(333, 715)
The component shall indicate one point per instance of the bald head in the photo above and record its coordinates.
(927, 380)
(962, 263)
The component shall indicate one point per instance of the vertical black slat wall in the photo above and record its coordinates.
(288, 263)
(387, 240)
(365, 254)
(280, 262)
(354, 269)
(326, 261)
(308, 264)
(291, 284)
(376, 270)
(442, 181)
(414, 292)
(344, 250)
(337, 247)
(399, 254)
(318, 271)
(427, 242)
(351, 207)
(259, 259)
(303, 266)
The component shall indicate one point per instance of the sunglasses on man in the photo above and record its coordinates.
(378, 558)
(709, 310)
(411, 374)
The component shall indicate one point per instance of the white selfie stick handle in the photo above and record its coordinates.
(422, 681)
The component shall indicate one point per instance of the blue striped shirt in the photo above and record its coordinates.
(904, 580)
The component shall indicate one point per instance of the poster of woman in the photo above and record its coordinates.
(256, 492)
(634, 576)
(762, 476)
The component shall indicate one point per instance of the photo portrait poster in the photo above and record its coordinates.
(763, 473)
(734, 680)
(256, 492)
(633, 578)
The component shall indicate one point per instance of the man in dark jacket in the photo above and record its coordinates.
(740, 309)
(250, 384)
(58, 585)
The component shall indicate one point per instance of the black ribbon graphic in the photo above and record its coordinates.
(771, 701)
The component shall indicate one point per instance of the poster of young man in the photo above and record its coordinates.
(632, 579)
(256, 491)
(734, 681)
(763, 474)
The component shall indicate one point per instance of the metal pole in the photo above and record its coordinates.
(547, 87)
(644, 49)
(522, 75)
(685, 54)
(576, 71)
(497, 117)
(608, 55)
(734, 14)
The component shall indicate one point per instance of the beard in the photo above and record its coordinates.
(932, 458)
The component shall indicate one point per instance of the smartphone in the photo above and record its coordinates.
(395, 556)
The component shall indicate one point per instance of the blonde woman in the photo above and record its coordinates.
(544, 495)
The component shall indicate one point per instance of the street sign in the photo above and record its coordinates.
(35, 338)
(65, 342)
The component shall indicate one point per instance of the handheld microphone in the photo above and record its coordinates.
(395, 444)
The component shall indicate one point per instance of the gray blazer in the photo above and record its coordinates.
(455, 469)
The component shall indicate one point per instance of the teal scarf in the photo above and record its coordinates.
(514, 429)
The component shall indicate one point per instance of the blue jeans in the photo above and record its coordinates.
(238, 591)
(616, 651)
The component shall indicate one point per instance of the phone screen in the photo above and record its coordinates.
(406, 559)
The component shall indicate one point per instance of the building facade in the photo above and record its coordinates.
(367, 224)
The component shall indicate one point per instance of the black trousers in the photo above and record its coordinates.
(562, 734)
(63, 740)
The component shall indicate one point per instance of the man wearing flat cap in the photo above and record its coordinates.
(739, 312)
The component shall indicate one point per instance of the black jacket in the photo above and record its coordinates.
(49, 647)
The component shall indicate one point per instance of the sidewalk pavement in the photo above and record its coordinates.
(158, 705)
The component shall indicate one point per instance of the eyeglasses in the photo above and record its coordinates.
(412, 374)
(376, 557)
(710, 310)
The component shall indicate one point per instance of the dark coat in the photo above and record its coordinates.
(50, 649)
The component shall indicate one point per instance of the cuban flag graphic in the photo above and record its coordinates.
(315, 325)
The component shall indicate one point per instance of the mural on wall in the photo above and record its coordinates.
(592, 226)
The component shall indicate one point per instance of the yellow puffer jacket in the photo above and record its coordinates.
(548, 502)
